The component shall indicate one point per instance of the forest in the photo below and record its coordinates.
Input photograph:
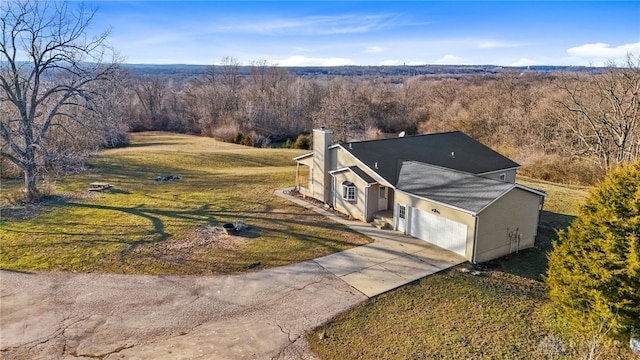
(561, 125)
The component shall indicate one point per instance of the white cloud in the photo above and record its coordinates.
(604, 50)
(374, 50)
(390, 62)
(600, 54)
(525, 62)
(449, 60)
(312, 25)
(492, 44)
(299, 60)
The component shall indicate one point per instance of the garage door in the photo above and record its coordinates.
(438, 230)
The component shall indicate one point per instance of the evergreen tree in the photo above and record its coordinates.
(594, 268)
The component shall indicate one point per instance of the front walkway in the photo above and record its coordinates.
(392, 260)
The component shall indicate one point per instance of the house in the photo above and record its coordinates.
(445, 188)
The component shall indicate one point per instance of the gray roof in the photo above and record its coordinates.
(361, 174)
(452, 150)
(455, 188)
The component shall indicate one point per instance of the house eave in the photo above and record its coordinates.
(381, 180)
(467, 211)
(515, 186)
(500, 170)
(336, 171)
(304, 156)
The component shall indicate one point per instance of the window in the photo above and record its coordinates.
(349, 191)
(383, 192)
(402, 212)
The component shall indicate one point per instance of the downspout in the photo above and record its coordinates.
(535, 239)
(333, 191)
(475, 238)
(366, 202)
(296, 187)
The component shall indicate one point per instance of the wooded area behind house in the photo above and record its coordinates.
(565, 125)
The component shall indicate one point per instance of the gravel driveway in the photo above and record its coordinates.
(260, 315)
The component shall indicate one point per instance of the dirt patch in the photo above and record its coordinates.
(206, 237)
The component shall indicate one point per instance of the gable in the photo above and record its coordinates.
(366, 179)
(452, 150)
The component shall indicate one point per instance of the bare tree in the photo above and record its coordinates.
(344, 110)
(602, 113)
(49, 71)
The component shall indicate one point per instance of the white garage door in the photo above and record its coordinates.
(438, 230)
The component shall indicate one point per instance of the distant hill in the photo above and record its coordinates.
(185, 71)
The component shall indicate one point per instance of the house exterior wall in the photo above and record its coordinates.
(507, 225)
(509, 174)
(356, 209)
(320, 179)
(452, 214)
(344, 159)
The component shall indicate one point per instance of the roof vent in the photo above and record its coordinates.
(350, 147)
(453, 154)
(375, 165)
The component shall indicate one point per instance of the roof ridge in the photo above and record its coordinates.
(398, 137)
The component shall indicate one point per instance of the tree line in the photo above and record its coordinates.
(71, 97)
(569, 127)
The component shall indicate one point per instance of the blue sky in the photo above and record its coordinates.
(324, 33)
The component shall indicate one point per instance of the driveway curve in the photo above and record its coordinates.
(260, 315)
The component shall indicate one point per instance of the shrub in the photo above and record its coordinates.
(238, 138)
(259, 141)
(594, 267)
(247, 140)
(303, 142)
(224, 133)
(120, 139)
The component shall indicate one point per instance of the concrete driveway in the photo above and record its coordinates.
(260, 315)
(387, 264)
(392, 260)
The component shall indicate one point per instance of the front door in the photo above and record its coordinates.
(402, 218)
(382, 198)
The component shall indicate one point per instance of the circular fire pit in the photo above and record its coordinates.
(229, 228)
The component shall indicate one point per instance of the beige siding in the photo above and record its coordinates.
(320, 180)
(508, 225)
(355, 209)
(509, 175)
(345, 159)
(447, 212)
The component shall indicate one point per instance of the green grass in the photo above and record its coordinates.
(502, 314)
(150, 227)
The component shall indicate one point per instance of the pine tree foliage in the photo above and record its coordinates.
(594, 268)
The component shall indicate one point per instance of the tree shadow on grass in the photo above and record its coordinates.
(203, 213)
(532, 263)
(291, 224)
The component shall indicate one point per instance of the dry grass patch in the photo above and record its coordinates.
(156, 227)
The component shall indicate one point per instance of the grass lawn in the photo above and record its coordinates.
(144, 226)
(502, 314)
